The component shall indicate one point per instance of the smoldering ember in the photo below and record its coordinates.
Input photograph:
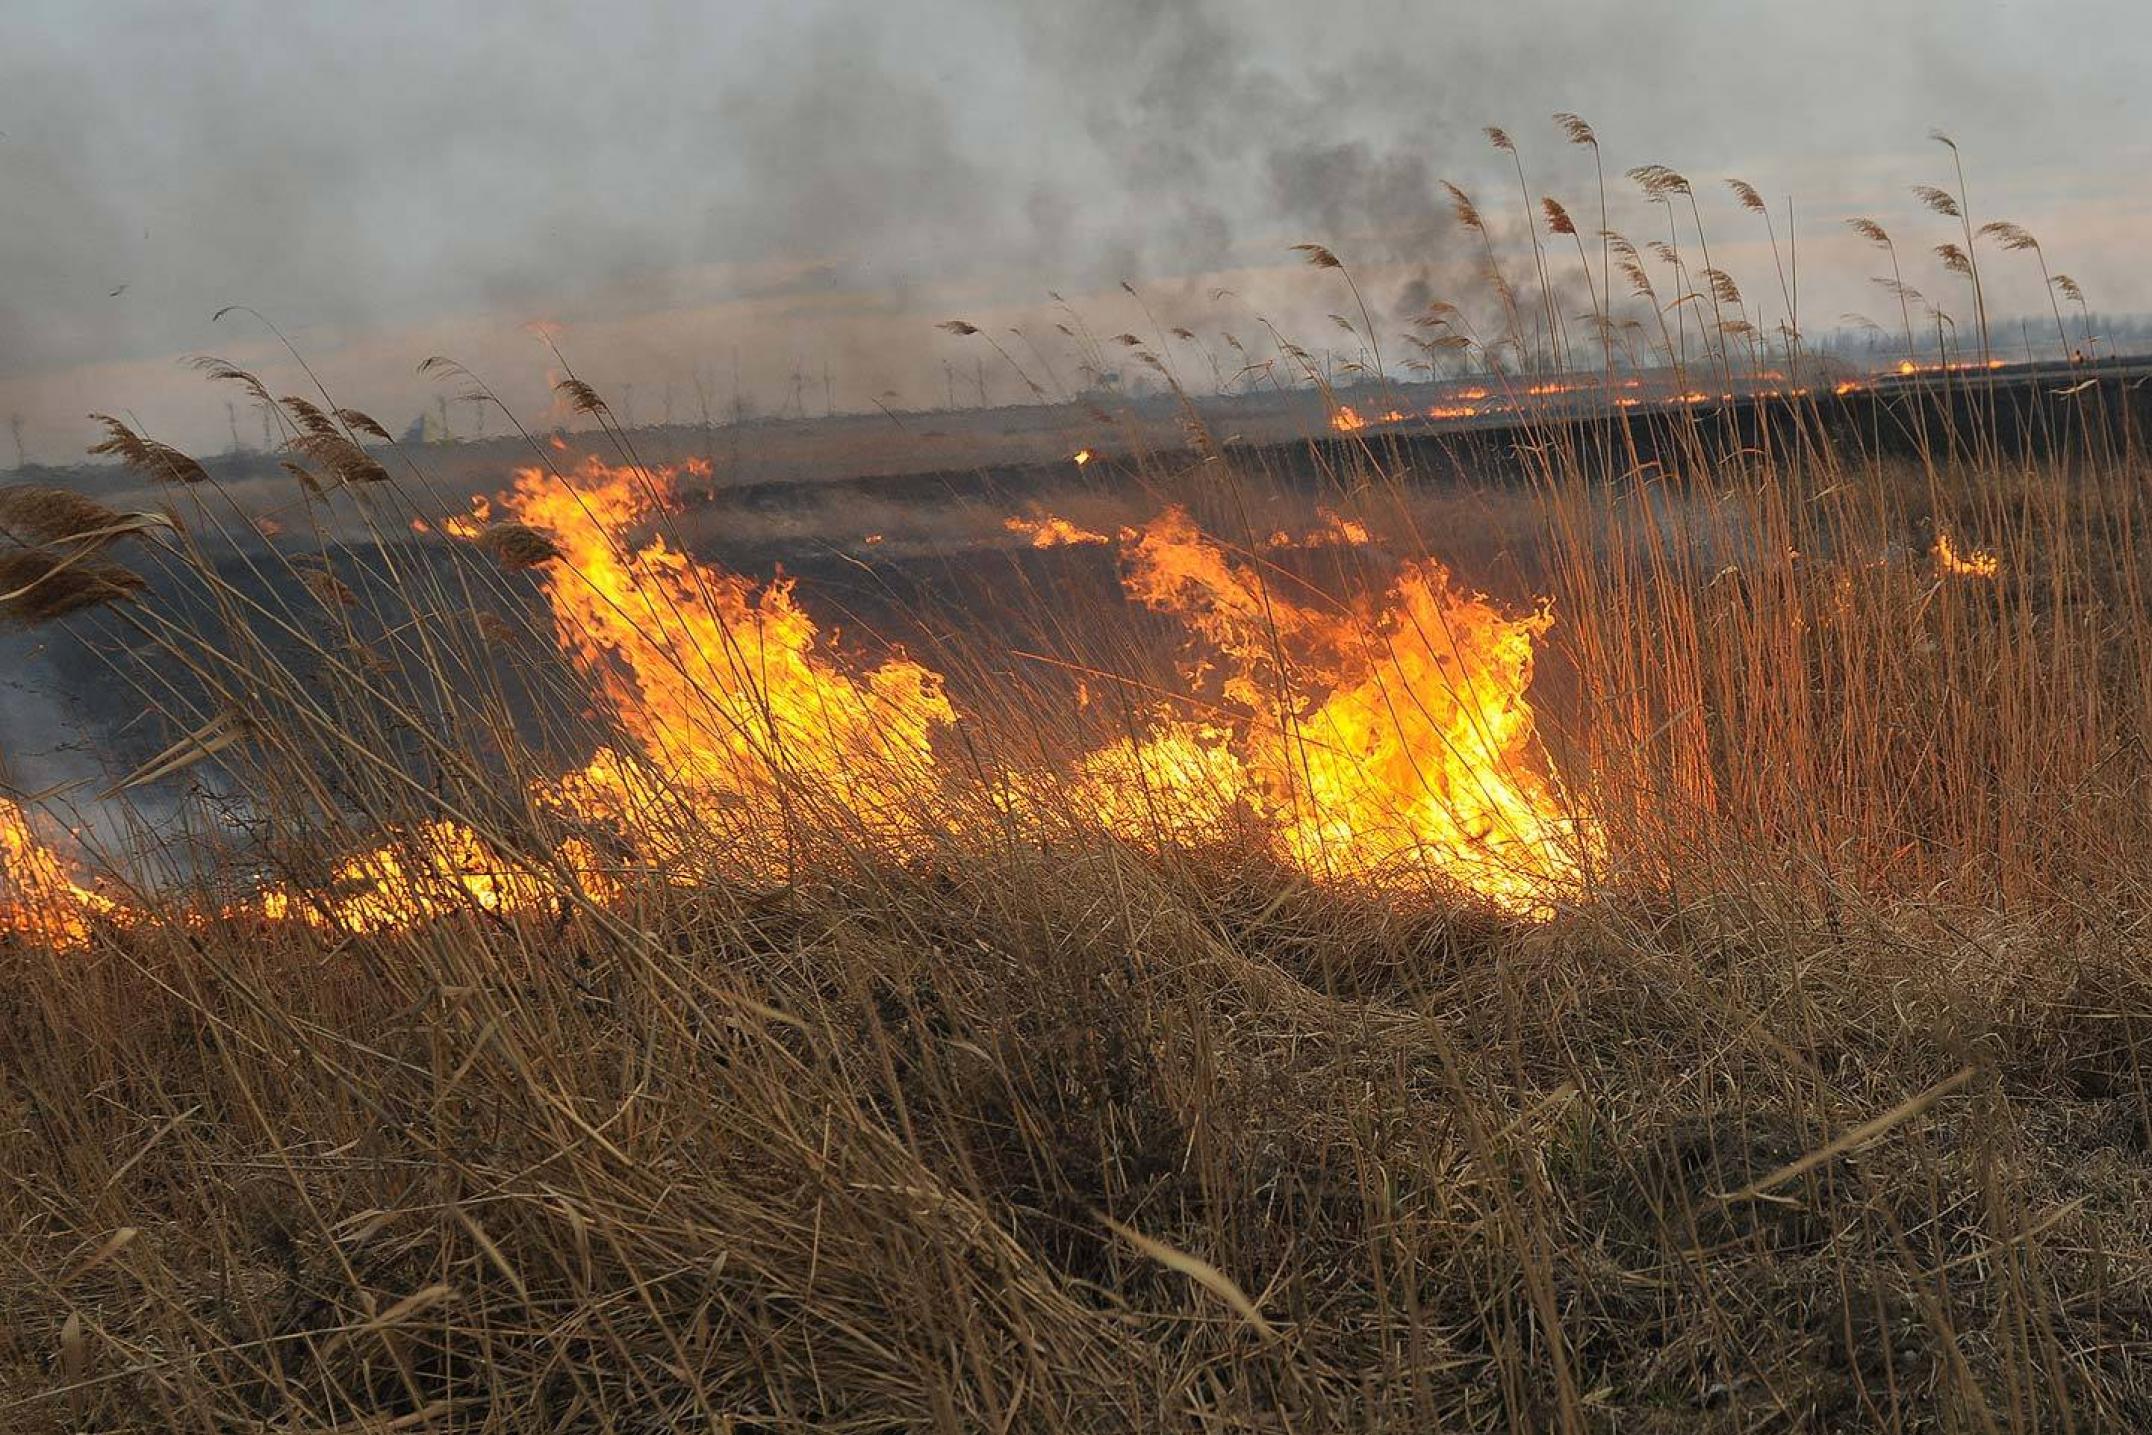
(1030, 717)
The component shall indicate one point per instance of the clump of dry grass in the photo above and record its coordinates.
(34, 514)
(340, 457)
(39, 585)
(328, 589)
(518, 546)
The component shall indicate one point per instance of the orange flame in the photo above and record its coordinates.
(1371, 740)
(1052, 532)
(43, 903)
(1973, 563)
(1366, 743)
(722, 686)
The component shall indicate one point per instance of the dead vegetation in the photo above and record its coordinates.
(1817, 1103)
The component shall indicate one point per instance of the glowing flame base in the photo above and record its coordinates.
(1387, 740)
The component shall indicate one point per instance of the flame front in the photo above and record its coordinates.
(1377, 740)
(1973, 563)
(1368, 741)
(1052, 532)
(39, 900)
(735, 712)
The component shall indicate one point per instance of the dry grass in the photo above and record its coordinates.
(1823, 1108)
(39, 585)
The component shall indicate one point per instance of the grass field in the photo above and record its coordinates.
(1295, 993)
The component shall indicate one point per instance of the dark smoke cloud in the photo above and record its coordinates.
(820, 181)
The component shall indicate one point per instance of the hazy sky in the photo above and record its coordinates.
(685, 187)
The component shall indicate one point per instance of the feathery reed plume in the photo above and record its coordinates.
(1746, 193)
(1954, 259)
(363, 423)
(340, 456)
(1499, 138)
(958, 327)
(1467, 213)
(1723, 287)
(1871, 231)
(2013, 237)
(308, 416)
(1128, 341)
(1632, 268)
(581, 397)
(1558, 220)
(39, 586)
(31, 514)
(224, 371)
(1576, 129)
(2016, 239)
(2069, 287)
(1659, 182)
(1318, 256)
(1939, 200)
(147, 456)
(518, 546)
(305, 475)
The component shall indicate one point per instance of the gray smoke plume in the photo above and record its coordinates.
(686, 188)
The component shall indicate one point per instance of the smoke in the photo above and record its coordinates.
(686, 188)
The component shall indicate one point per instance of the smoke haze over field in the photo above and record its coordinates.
(683, 188)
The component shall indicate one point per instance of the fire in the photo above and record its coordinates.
(39, 900)
(1350, 532)
(1336, 531)
(1051, 532)
(1380, 739)
(1081, 457)
(1973, 563)
(435, 869)
(1907, 368)
(1368, 742)
(735, 710)
(1347, 419)
(458, 525)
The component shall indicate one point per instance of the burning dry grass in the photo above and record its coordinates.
(800, 1108)
(1713, 1000)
